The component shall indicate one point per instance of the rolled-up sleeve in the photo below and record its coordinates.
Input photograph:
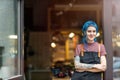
(77, 50)
(103, 50)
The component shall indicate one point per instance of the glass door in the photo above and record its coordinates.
(10, 40)
(116, 38)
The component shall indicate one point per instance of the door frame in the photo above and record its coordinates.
(107, 28)
(20, 25)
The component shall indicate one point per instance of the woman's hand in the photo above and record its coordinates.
(103, 64)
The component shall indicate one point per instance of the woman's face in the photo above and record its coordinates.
(91, 34)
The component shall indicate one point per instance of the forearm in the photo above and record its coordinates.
(83, 65)
(91, 67)
(94, 70)
(102, 66)
(79, 65)
(89, 70)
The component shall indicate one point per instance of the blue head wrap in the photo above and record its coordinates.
(85, 27)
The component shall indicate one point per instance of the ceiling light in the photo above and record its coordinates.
(53, 45)
(71, 35)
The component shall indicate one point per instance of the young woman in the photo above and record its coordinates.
(90, 59)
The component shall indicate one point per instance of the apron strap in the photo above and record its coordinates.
(99, 50)
(82, 49)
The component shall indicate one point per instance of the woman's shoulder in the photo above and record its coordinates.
(97, 43)
(101, 45)
(79, 45)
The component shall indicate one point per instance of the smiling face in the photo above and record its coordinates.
(91, 34)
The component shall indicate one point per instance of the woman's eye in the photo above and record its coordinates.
(94, 31)
(89, 31)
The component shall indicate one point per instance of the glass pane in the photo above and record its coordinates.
(116, 38)
(8, 39)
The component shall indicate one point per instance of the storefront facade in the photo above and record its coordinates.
(12, 46)
(109, 21)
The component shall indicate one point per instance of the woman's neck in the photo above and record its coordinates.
(90, 41)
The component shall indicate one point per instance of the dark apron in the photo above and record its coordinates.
(90, 58)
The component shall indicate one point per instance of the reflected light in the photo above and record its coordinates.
(118, 44)
(71, 35)
(98, 34)
(59, 13)
(13, 36)
(53, 45)
(70, 4)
